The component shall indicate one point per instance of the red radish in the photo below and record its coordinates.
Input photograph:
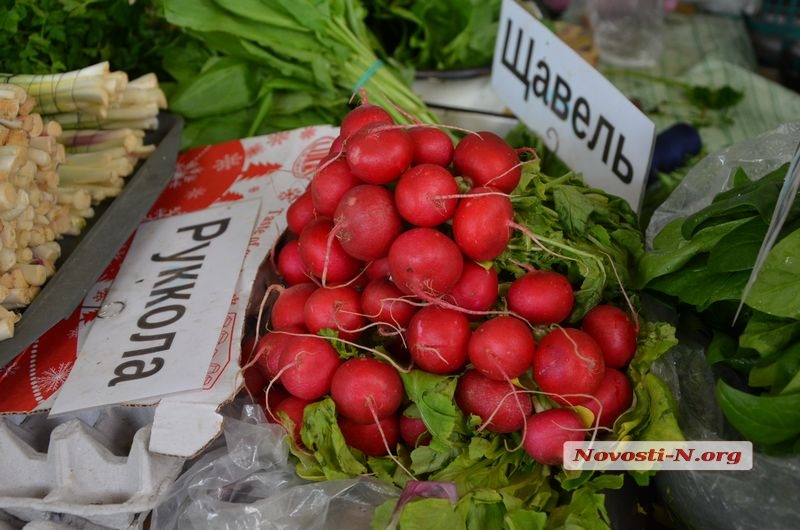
(482, 223)
(307, 365)
(568, 365)
(378, 269)
(501, 348)
(269, 348)
(413, 431)
(367, 222)
(300, 212)
(362, 115)
(379, 154)
(372, 439)
(613, 331)
(485, 159)
(335, 308)
(332, 180)
(247, 350)
(546, 433)
(431, 146)
(255, 382)
(425, 262)
(290, 264)
(541, 297)
(364, 389)
(477, 289)
(294, 408)
(324, 256)
(381, 301)
(501, 406)
(426, 195)
(437, 339)
(269, 401)
(287, 309)
(613, 397)
(337, 148)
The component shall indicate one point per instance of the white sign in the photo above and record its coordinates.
(658, 456)
(162, 318)
(583, 118)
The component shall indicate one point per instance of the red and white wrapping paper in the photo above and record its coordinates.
(274, 168)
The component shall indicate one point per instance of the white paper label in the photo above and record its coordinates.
(581, 116)
(163, 315)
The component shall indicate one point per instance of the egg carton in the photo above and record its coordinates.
(90, 471)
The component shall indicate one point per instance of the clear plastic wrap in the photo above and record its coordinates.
(763, 497)
(248, 481)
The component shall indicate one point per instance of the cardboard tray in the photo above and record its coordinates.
(85, 257)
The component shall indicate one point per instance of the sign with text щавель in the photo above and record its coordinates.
(592, 126)
(162, 317)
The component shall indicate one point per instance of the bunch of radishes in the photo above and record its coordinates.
(388, 266)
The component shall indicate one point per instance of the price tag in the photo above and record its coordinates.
(163, 316)
(592, 126)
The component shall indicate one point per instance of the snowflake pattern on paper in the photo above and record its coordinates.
(100, 295)
(52, 378)
(160, 213)
(254, 150)
(195, 192)
(228, 161)
(278, 138)
(290, 195)
(308, 132)
(186, 172)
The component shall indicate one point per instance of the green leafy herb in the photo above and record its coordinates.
(50, 36)
(584, 232)
(441, 35)
(701, 265)
(766, 420)
(775, 289)
(298, 62)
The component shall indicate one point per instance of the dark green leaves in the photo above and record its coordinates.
(713, 98)
(214, 87)
(440, 35)
(49, 36)
(702, 264)
(307, 57)
(777, 288)
(764, 420)
(589, 235)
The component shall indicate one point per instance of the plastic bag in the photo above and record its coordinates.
(763, 497)
(247, 481)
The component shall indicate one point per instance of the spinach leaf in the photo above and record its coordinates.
(699, 286)
(754, 198)
(768, 334)
(214, 87)
(737, 250)
(764, 420)
(671, 250)
(780, 375)
(777, 288)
